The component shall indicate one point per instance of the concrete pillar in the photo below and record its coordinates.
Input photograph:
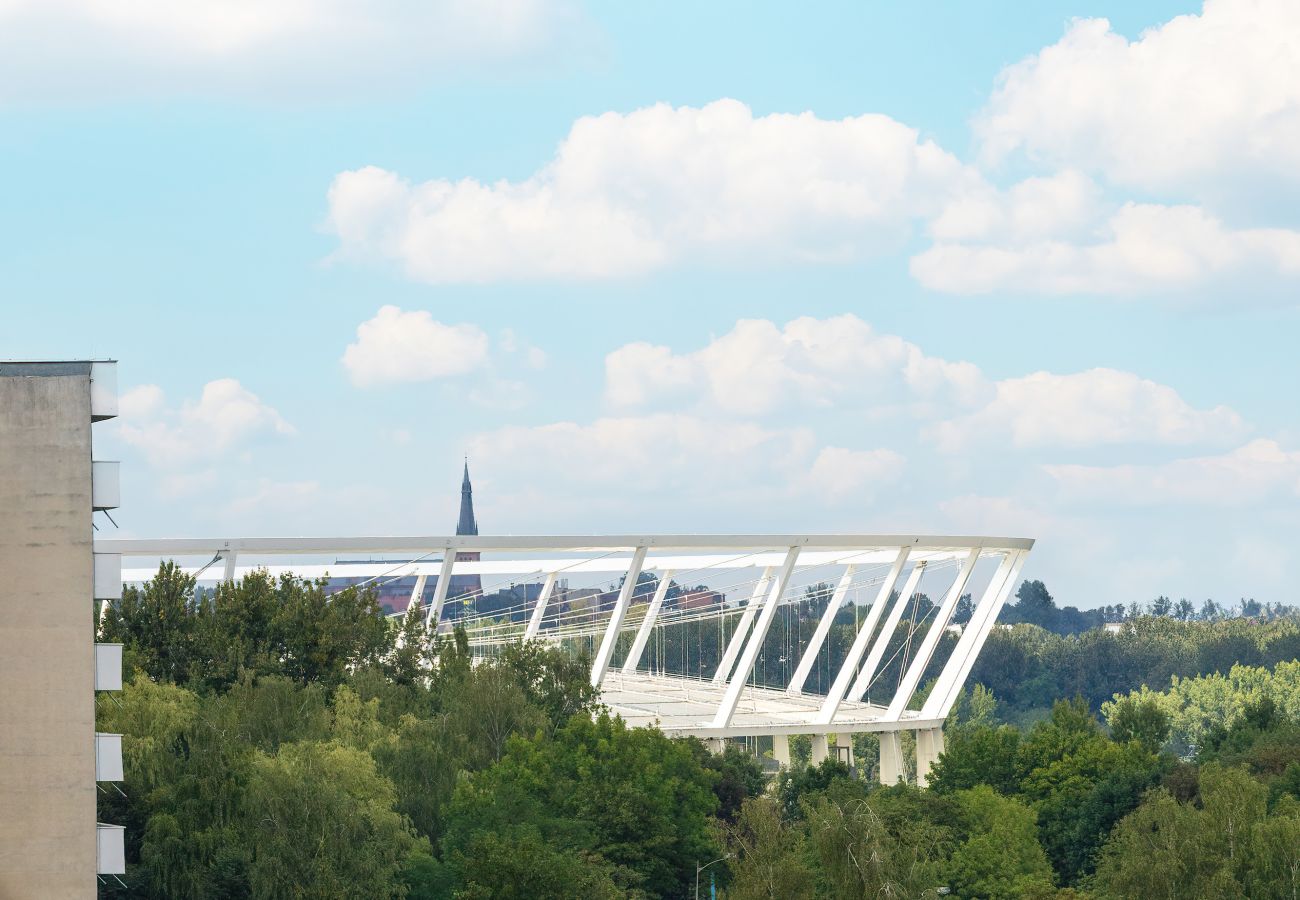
(716, 745)
(820, 749)
(781, 750)
(929, 744)
(891, 758)
(843, 744)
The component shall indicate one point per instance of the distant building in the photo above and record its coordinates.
(701, 599)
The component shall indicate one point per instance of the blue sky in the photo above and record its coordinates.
(953, 267)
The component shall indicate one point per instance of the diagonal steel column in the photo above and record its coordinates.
(831, 705)
(917, 669)
(868, 670)
(648, 623)
(738, 638)
(535, 621)
(417, 592)
(972, 640)
(440, 590)
(606, 651)
(755, 643)
(814, 647)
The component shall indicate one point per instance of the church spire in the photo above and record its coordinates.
(467, 524)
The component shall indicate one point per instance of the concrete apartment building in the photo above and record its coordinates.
(50, 665)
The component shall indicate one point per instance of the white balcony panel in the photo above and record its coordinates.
(105, 484)
(103, 391)
(111, 850)
(108, 667)
(108, 576)
(108, 757)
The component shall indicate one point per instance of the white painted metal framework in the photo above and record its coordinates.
(759, 573)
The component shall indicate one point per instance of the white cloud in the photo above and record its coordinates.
(1200, 98)
(759, 367)
(225, 418)
(681, 456)
(629, 193)
(1091, 408)
(1063, 205)
(83, 49)
(840, 475)
(1142, 248)
(397, 346)
(1260, 472)
(140, 402)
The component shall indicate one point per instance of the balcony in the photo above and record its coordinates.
(110, 855)
(108, 667)
(105, 485)
(108, 757)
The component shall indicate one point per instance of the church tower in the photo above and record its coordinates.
(467, 525)
(468, 586)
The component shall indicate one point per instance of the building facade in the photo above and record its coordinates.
(50, 665)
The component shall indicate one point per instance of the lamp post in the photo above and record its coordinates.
(700, 868)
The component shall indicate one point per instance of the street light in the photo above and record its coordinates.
(700, 868)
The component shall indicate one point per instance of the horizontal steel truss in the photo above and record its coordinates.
(725, 705)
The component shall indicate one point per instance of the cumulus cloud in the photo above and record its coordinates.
(80, 49)
(1141, 248)
(1085, 409)
(226, 417)
(630, 193)
(839, 474)
(759, 367)
(1206, 97)
(683, 456)
(399, 346)
(1259, 472)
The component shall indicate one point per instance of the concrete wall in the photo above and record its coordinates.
(47, 699)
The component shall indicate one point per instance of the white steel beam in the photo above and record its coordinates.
(606, 651)
(742, 629)
(535, 620)
(972, 640)
(916, 670)
(417, 592)
(648, 623)
(755, 643)
(831, 704)
(567, 543)
(440, 591)
(814, 647)
(868, 670)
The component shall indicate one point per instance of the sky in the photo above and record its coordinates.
(1025, 269)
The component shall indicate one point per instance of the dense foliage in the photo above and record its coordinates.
(280, 742)
(284, 743)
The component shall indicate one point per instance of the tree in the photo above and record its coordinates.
(739, 777)
(1227, 848)
(982, 755)
(637, 799)
(321, 824)
(891, 844)
(516, 863)
(1141, 720)
(156, 624)
(770, 861)
(1001, 858)
(1035, 605)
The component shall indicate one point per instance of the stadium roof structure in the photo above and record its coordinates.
(883, 575)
